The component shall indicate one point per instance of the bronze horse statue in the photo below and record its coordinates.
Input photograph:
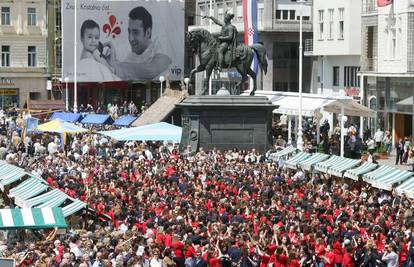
(206, 44)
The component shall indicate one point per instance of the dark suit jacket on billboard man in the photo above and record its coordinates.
(143, 63)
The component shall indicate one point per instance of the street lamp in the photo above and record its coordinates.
(67, 93)
(162, 79)
(186, 82)
(75, 59)
(299, 142)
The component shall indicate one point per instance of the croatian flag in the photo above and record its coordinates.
(251, 34)
(382, 3)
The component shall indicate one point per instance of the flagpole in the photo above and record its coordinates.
(210, 27)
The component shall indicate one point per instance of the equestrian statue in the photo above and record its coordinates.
(223, 51)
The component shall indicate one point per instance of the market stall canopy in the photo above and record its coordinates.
(125, 120)
(28, 218)
(288, 103)
(66, 116)
(60, 126)
(351, 108)
(97, 119)
(161, 131)
(409, 101)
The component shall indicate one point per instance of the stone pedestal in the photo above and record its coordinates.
(226, 122)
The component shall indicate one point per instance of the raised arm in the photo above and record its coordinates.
(216, 21)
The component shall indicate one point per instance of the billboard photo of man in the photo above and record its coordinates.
(143, 62)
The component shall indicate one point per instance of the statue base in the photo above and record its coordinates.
(226, 122)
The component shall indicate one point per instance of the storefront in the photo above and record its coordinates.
(9, 93)
(383, 94)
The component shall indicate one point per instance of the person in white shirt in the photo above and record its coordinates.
(390, 257)
(52, 148)
(378, 137)
(155, 260)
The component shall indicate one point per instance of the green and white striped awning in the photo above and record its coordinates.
(315, 158)
(9, 174)
(387, 181)
(284, 152)
(361, 170)
(406, 188)
(73, 207)
(345, 164)
(28, 218)
(324, 165)
(27, 189)
(293, 161)
(374, 175)
(48, 197)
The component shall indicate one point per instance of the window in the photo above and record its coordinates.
(341, 23)
(292, 14)
(239, 10)
(331, 22)
(220, 12)
(285, 14)
(31, 16)
(260, 12)
(34, 95)
(351, 78)
(31, 56)
(202, 9)
(5, 15)
(393, 43)
(278, 14)
(5, 56)
(335, 76)
(320, 24)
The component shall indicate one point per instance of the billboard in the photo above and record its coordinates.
(123, 40)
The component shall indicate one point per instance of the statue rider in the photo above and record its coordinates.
(227, 38)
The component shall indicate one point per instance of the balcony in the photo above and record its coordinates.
(291, 25)
(308, 49)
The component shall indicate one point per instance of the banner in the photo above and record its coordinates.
(251, 33)
(382, 3)
(123, 40)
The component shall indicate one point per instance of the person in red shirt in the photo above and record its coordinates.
(347, 259)
(178, 247)
(329, 257)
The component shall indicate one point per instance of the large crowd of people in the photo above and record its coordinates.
(150, 205)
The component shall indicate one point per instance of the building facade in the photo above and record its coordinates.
(23, 44)
(336, 47)
(387, 65)
(278, 25)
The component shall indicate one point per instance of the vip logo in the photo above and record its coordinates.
(176, 71)
(112, 27)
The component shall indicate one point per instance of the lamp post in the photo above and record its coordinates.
(67, 94)
(343, 120)
(162, 79)
(75, 59)
(299, 142)
(186, 82)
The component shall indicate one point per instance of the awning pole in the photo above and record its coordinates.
(289, 130)
(343, 119)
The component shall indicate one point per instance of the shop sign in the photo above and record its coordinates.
(8, 91)
(351, 91)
